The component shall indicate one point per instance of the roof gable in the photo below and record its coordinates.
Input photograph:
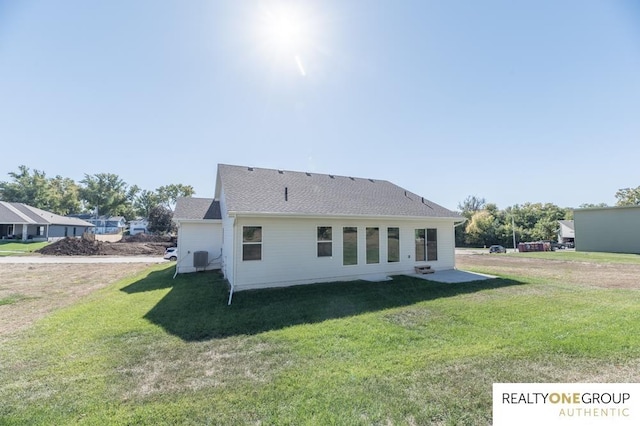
(567, 223)
(257, 190)
(191, 208)
(23, 213)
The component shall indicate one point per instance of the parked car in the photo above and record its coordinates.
(171, 253)
(497, 249)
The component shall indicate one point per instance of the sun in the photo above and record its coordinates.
(286, 32)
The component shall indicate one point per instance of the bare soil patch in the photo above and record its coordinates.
(602, 275)
(31, 291)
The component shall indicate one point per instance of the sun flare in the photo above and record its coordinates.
(286, 34)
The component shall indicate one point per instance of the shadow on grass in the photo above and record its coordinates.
(196, 307)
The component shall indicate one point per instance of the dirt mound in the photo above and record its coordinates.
(82, 247)
(72, 247)
(148, 238)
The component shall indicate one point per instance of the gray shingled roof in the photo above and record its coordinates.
(19, 213)
(257, 190)
(189, 208)
(567, 223)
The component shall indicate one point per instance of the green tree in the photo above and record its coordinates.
(65, 196)
(27, 187)
(537, 221)
(467, 208)
(590, 205)
(109, 194)
(168, 194)
(144, 202)
(628, 197)
(58, 195)
(485, 229)
(160, 220)
(470, 205)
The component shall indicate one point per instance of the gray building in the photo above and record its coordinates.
(608, 229)
(26, 223)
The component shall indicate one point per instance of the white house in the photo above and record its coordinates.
(199, 230)
(566, 232)
(271, 228)
(138, 226)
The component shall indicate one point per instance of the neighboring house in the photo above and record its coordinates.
(23, 222)
(608, 229)
(105, 224)
(138, 226)
(272, 228)
(566, 232)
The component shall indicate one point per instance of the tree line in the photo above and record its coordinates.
(487, 224)
(102, 193)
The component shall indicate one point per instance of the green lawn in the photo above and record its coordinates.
(152, 350)
(14, 248)
(581, 256)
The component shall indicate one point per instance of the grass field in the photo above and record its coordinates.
(14, 248)
(580, 256)
(152, 350)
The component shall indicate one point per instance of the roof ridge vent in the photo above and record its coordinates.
(407, 195)
(332, 177)
(250, 169)
(280, 172)
(307, 173)
(372, 181)
(353, 179)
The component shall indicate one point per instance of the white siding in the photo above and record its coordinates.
(227, 239)
(203, 236)
(289, 253)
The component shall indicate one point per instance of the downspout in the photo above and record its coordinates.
(179, 260)
(455, 225)
(235, 259)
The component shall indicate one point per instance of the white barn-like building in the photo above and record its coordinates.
(272, 228)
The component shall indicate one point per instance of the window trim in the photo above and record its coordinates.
(389, 245)
(423, 246)
(252, 243)
(431, 244)
(367, 247)
(344, 228)
(328, 242)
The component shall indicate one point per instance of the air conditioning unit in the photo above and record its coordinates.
(200, 259)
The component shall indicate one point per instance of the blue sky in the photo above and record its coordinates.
(512, 101)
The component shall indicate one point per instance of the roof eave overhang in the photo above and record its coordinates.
(342, 216)
(182, 220)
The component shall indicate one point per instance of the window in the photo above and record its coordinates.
(325, 244)
(432, 244)
(393, 244)
(252, 243)
(349, 245)
(420, 245)
(373, 245)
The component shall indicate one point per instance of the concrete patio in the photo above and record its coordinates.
(453, 276)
